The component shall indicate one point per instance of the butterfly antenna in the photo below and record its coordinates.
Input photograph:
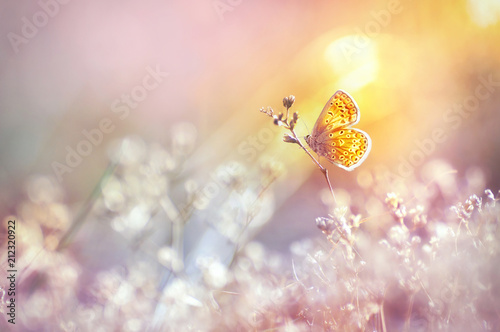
(307, 128)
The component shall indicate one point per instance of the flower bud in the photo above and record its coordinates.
(276, 121)
(287, 138)
(285, 102)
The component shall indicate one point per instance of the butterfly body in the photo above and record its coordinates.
(332, 136)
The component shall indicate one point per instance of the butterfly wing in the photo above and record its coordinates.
(345, 147)
(340, 111)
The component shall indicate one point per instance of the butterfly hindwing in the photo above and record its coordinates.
(346, 147)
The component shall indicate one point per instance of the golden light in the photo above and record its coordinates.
(485, 12)
(353, 59)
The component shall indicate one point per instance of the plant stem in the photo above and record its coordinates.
(408, 313)
(321, 168)
(382, 317)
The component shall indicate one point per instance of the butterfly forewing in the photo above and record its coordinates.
(340, 110)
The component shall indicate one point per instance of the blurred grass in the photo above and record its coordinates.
(177, 237)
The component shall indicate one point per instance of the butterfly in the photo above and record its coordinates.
(332, 136)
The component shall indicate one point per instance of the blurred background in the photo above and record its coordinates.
(187, 79)
(412, 67)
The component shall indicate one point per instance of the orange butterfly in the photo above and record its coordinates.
(332, 136)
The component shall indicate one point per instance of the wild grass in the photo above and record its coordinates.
(155, 249)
